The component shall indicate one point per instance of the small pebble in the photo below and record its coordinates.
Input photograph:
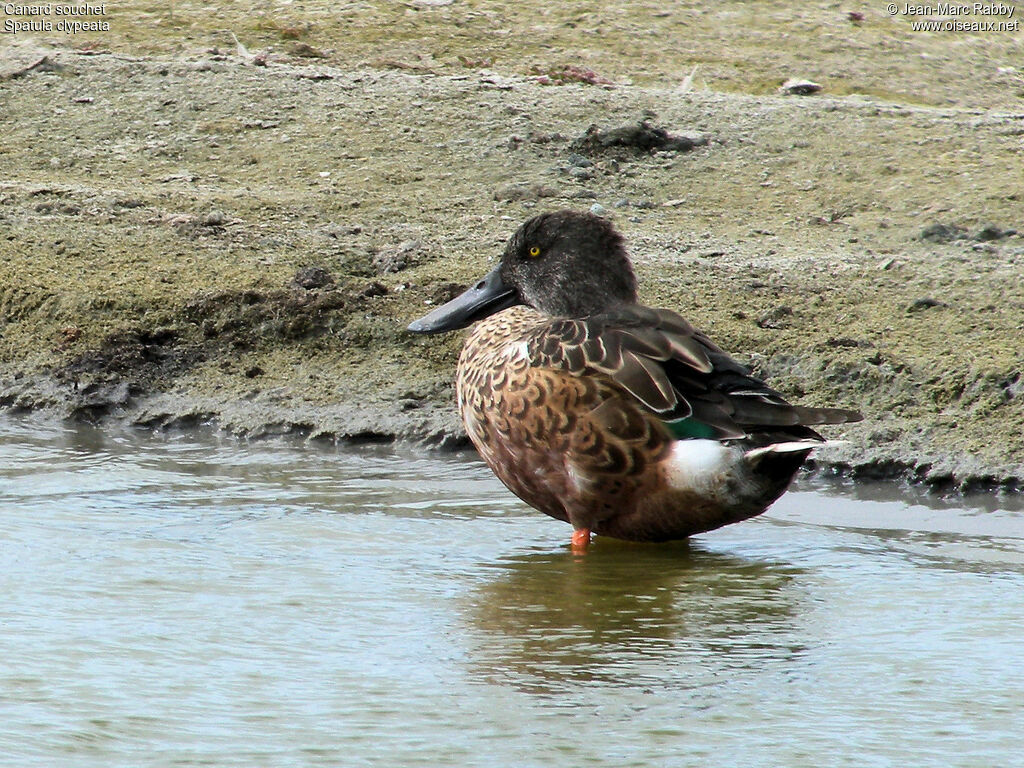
(773, 318)
(798, 87)
(514, 192)
(942, 233)
(397, 257)
(926, 302)
(313, 277)
(542, 190)
(991, 232)
(374, 289)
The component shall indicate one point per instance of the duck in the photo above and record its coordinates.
(621, 419)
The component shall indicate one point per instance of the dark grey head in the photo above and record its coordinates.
(564, 264)
(568, 264)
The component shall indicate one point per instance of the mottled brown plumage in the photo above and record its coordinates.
(618, 418)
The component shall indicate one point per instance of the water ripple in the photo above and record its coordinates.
(188, 599)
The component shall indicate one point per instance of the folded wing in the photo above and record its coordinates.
(675, 371)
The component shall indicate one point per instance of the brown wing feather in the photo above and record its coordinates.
(674, 370)
(645, 379)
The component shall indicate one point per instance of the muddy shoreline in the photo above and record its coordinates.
(207, 240)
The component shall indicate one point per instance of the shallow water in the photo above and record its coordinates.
(178, 600)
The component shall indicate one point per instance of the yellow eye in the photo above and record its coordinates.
(534, 250)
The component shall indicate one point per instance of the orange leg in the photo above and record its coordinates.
(580, 540)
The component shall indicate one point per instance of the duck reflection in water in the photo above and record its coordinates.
(673, 615)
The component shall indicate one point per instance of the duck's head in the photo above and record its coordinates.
(564, 264)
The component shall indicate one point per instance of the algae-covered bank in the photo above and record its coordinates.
(230, 215)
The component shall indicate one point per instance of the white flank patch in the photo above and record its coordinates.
(697, 464)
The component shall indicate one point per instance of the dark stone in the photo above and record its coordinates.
(640, 137)
(397, 257)
(925, 303)
(313, 277)
(991, 232)
(374, 289)
(772, 319)
(942, 233)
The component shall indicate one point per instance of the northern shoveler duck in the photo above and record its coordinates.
(621, 419)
